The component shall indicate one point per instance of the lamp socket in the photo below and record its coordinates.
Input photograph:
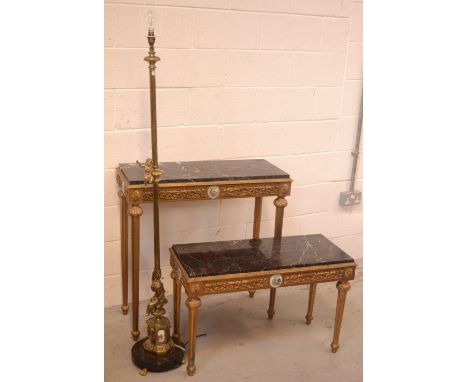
(350, 198)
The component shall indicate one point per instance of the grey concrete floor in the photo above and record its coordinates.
(241, 344)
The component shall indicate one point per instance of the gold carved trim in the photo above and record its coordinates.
(236, 285)
(305, 278)
(225, 191)
(147, 196)
(249, 190)
(193, 193)
(263, 282)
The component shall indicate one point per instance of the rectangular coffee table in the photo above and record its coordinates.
(243, 265)
(192, 181)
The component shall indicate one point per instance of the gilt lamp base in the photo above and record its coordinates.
(153, 362)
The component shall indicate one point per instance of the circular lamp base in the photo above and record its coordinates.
(153, 362)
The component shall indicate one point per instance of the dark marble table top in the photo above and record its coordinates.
(207, 171)
(243, 256)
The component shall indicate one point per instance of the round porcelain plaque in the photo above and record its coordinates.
(213, 192)
(275, 281)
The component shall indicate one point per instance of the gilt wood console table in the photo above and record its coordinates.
(242, 265)
(189, 181)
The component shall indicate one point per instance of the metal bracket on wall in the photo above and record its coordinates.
(352, 197)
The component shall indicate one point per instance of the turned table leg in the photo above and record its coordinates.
(177, 292)
(310, 306)
(256, 226)
(124, 250)
(271, 306)
(193, 303)
(135, 212)
(257, 218)
(343, 287)
(280, 203)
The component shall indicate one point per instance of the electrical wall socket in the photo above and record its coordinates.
(350, 198)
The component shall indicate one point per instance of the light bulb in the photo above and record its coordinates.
(150, 17)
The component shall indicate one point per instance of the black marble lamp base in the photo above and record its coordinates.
(144, 359)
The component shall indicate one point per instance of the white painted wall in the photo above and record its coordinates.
(270, 79)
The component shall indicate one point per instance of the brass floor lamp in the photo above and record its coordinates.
(159, 351)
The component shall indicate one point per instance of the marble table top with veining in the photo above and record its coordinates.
(241, 256)
(207, 171)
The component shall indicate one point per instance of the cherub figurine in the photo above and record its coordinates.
(152, 306)
(148, 174)
(159, 291)
(157, 302)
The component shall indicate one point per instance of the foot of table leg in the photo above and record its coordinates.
(251, 293)
(310, 306)
(135, 334)
(271, 307)
(177, 293)
(135, 212)
(193, 303)
(343, 287)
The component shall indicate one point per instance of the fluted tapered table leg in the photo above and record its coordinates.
(193, 303)
(280, 203)
(343, 287)
(135, 212)
(310, 306)
(256, 226)
(177, 292)
(271, 306)
(124, 250)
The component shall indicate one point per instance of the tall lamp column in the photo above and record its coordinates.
(157, 352)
